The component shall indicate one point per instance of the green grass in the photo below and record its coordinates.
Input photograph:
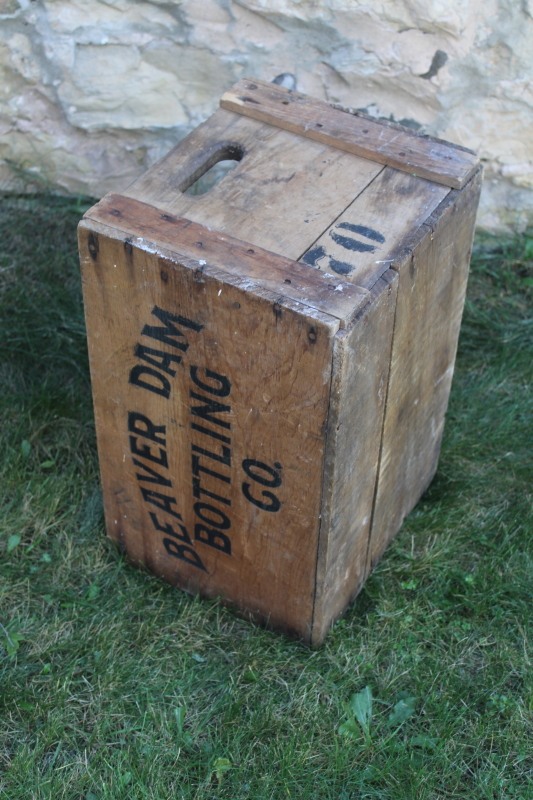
(114, 685)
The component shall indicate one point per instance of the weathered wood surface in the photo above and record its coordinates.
(362, 243)
(361, 359)
(148, 226)
(397, 126)
(433, 274)
(265, 424)
(281, 196)
(211, 403)
(316, 120)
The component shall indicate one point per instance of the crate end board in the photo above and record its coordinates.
(211, 402)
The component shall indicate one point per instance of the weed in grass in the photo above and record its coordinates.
(123, 687)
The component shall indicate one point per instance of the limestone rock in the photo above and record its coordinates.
(93, 91)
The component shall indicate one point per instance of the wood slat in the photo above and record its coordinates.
(361, 358)
(432, 285)
(402, 149)
(310, 287)
(363, 242)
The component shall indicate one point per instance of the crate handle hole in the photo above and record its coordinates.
(209, 168)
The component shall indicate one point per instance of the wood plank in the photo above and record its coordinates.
(361, 360)
(144, 224)
(281, 196)
(268, 363)
(364, 241)
(431, 293)
(397, 126)
(403, 149)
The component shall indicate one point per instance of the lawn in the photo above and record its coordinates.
(114, 685)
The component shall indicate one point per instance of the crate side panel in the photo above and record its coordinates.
(211, 438)
(363, 242)
(359, 386)
(281, 196)
(428, 317)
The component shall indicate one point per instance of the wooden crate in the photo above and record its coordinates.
(271, 360)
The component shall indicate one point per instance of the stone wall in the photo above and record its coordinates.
(94, 91)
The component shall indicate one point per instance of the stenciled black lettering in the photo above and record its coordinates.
(213, 538)
(225, 458)
(146, 452)
(169, 333)
(149, 431)
(313, 256)
(273, 481)
(212, 434)
(197, 468)
(211, 407)
(352, 244)
(183, 552)
(273, 505)
(340, 267)
(198, 491)
(157, 358)
(222, 390)
(318, 253)
(169, 530)
(162, 501)
(203, 461)
(253, 468)
(223, 522)
(161, 386)
(155, 476)
(363, 230)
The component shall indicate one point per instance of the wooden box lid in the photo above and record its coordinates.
(341, 192)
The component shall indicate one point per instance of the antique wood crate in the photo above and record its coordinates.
(271, 360)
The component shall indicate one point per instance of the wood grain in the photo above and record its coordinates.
(437, 161)
(432, 283)
(361, 360)
(268, 361)
(365, 239)
(281, 196)
(148, 226)
(271, 361)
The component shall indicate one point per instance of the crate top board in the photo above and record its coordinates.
(341, 193)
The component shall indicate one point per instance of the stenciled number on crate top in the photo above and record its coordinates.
(342, 234)
(148, 442)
